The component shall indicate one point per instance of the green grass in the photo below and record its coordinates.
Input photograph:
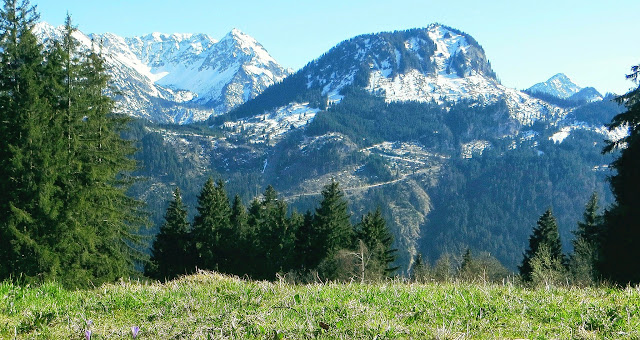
(209, 305)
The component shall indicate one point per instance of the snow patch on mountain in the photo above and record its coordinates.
(612, 135)
(474, 148)
(448, 44)
(270, 127)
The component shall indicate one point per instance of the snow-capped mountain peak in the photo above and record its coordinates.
(248, 45)
(181, 77)
(559, 86)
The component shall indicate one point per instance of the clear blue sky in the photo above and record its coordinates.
(594, 42)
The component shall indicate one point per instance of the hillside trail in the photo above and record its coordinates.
(353, 190)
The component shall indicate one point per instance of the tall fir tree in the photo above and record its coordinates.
(620, 243)
(255, 260)
(333, 227)
(101, 167)
(240, 245)
(171, 253)
(26, 187)
(373, 231)
(210, 225)
(546, 235)
(583, 262)
(274, 237)
(304, 244)
(419, 269)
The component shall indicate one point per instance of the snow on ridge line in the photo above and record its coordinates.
(415, 86)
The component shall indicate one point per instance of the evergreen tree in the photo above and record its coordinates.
(584, 260)
(468, 267)
(274, 235)
(98, 179)
(419, 269)
(620, 245)
(333, 228)
(240, 247)
(210, 226)
(546, 235)
(332, 219)
(255, 259)
(27, 192)
(171, 253)
(304, 244)
(373, 231)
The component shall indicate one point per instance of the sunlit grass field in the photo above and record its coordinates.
(209, 305)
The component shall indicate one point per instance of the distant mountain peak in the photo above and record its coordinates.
(181, 77)
(238, 35)
(559, 86)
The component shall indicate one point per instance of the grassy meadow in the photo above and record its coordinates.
(212, 306)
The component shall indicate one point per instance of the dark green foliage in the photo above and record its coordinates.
(368, 120)
(621, 233)
(487, 202)
(65, 215)
(239, 244)
(274, 235)
(544, 239)
(25, 187)
(584, 260)
(332, 221)
(376, 169)
(373, 232)
(172, 254)
(305, 244)
(212, 227)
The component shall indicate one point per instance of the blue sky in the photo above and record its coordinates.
(526, 41)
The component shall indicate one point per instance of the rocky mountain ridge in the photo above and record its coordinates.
(561, 86)
(181, 78)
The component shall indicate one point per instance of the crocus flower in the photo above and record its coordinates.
(87, 334)
(134, 331)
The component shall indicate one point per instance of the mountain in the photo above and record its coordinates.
(560, 86)
(413, 121)
(181, 78)
(436, 64)
(587, 94)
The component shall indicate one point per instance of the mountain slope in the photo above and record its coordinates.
(437, 63)
(181, 78)
(414, 122)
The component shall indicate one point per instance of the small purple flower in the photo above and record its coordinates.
(89, 323)
(134, 331)
(87, 334)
